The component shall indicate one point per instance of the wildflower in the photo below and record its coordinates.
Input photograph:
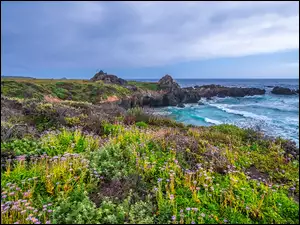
(4, 196)
(173, 218)
(247, 208)
(48, 222)
(171, 197)
(225, 221)
(188, 208)
(195, 209)
(11, 194)
(197, 188)
(193, 222)
(57, 183)
(23, 212)
(194, 182)
(35, 211)
(159, 179)
(27, 204)
(18, 189)
(202, 214)
(181, 210)
(17, 222)
(49, 204)
(49, 211)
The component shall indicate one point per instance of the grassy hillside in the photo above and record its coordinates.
(145, 85)
(76, 90)
(77, 163)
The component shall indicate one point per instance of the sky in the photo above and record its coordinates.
(136, 40)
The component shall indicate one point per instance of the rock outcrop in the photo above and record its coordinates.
(171, 94)
(283, 91)
(168, 84)
(108, 78)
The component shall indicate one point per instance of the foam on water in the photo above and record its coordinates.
(212, 121)
(276, 115)
(241, 113)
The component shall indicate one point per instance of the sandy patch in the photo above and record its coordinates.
(51, 99)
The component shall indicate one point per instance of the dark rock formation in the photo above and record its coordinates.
(181, 105)
(171, 94)
(200, 103)
(167, 83)
(283, 91)
(108, 78)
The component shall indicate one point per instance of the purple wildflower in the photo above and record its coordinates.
(188, 208)
(173, 218)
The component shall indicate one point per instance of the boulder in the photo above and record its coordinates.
(283, 91)
(221, 95)
(108, 78)
(181, 105)
(200, 103)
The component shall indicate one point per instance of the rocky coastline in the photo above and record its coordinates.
(169, 93)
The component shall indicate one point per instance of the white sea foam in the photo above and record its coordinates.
(225, 108)
(212, 121)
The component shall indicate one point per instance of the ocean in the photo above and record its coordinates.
(275, 115)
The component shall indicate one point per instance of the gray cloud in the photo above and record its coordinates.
(134, 34)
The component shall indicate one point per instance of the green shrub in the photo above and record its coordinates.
(22, 147)
(141, 124)
(112, 129)
(76, 210)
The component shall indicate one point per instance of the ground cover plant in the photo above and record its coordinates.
(93, 164)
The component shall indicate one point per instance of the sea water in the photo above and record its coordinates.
(275, 115)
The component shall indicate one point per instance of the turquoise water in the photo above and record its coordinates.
(276, 115)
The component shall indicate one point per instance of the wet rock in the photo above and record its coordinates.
(181, 105)
(283, 91)
(221, 95)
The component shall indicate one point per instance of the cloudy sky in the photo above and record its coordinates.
(150, 39)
